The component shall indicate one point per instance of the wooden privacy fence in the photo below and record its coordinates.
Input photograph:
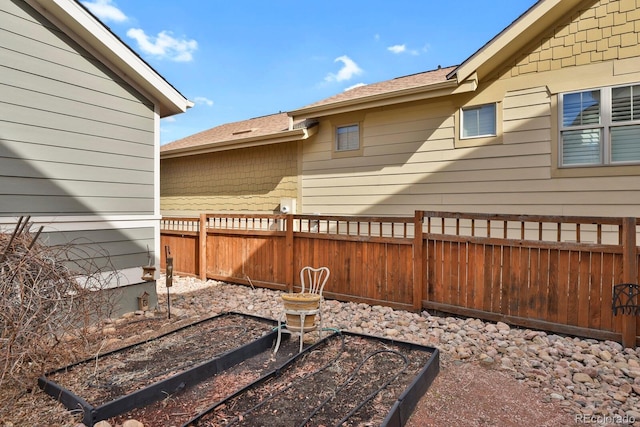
(546, 272)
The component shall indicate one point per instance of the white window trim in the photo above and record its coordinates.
(495, 121)
(605, 125)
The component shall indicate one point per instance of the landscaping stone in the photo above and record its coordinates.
(586, 376)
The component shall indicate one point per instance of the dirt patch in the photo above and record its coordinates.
(113, 375)
(465, 394)
(468, 394)
(178, 408)
(347, 380)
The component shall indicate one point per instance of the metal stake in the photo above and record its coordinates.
(169, 277)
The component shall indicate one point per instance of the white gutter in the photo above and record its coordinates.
(388, 98)
(254, 141)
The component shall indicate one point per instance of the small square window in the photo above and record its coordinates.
(348, 138)
(478, 121)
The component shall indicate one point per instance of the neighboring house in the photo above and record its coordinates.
(249, 166)
(543, 119)
(79, 138)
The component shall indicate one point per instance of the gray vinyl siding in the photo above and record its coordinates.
(106, 249)
(75, 139)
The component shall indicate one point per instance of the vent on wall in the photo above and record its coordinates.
(240, 132)
(287, 205)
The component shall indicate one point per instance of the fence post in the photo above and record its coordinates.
(202, 241)
(630, 275)
(417, 260)
(289, 253)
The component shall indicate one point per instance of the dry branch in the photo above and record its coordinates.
(48, 298)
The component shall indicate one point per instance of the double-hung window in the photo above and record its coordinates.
(348, 138)
(600, 126)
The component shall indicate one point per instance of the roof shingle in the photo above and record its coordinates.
(275, 123)
(259, 126)
(388, 86)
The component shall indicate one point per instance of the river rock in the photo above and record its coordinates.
(585, 376)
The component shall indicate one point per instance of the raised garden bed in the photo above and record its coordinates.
(222, 371)
(179, 408)
(345, 379)
(138, 375)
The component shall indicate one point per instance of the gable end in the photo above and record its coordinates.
(596, 32)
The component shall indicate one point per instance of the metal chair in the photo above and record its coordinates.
(312, 281)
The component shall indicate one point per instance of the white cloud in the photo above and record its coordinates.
(348, 70)
(203, 100)
(398, 48)
(105, 10)
(169, 119)
(402, 48)
(355, 86)
(164, 45)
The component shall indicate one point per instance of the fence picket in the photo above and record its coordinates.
(555, 273)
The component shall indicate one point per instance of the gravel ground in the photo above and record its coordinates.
(594, 382)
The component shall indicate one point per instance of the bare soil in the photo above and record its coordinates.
(463, 394)
(470, 394)
(344, 380)
(348, 380)
(107, 377)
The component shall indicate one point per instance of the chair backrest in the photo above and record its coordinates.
(313, 280)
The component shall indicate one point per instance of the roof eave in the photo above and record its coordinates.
(388, 98)
(513, 38)
(128, 64)
(255, 141)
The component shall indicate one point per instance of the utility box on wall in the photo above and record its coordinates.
(287, 205)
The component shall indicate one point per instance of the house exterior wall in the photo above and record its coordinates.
(77, 145)
(413, 158)
(606, 31)
(247, 179)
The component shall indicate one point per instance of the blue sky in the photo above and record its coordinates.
(248, 58)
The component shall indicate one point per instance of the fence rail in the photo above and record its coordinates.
(548, 272)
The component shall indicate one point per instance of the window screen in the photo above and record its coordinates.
(347, 138)
(479, 121)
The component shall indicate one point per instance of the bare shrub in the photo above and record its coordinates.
(48, 303)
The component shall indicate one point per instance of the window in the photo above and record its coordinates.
(478, 121)
(600, 126)
(348, 138)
